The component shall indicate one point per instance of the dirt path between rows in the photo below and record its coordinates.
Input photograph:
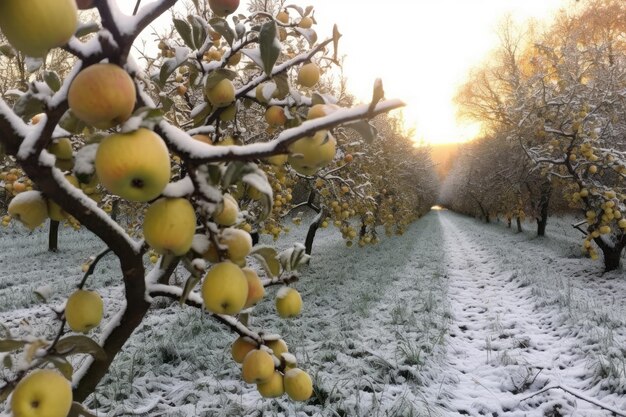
(502, 348)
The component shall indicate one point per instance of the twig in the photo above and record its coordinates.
(578, 395)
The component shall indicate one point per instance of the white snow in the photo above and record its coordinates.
(446, 320)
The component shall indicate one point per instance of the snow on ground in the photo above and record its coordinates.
(453, 318)
(524, 318)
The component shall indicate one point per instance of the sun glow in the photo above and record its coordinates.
(422, 50)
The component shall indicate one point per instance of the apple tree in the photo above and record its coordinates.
(167, 140)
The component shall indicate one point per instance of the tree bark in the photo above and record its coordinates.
(544, 206)
(612, 257)
(53, 236)
(518, 221)
(310, 236)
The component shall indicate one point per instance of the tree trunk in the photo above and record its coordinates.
(53, 236)
(310, 236)
(136, 309)
(544, 205)
(508, 222)
(612, 257)
(519, 225)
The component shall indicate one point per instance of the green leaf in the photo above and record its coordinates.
(62, 365)
(27, 106)
(267, 255)
(190, 284)
(7, 50)
(218, 75)
(378, 93)
(168, 68)
(222, 27)
(270, 46)
(282, 85)
(297, 9)
(86, 29)
(10, 345)
(202, 114)
(7, 362)
(198, 30)
(71, 123)
(258, 180)
(309, 34)
(52, 79)
(366, 130)
(80, 344)
(234, 171)
(184, 30)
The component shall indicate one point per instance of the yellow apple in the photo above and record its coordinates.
(30, 208)
(298, 384)
(225, 289)
(321, 110)
(277, 160)
(135, 165)
(257, 367)
(309, 75)
(169, 225)
(275, 116)
(305, 23)
(288, 302)
(238, 244)
(266, 91)
(278, 347)
(102, 95)
(283, 17)
(204, 139)
(221, 94)
(83, 310)
(43, 393)
(223, 8)
(313, 152)
(273, 387)
(61, 148)
(228, 213)
(256, 290)
(36, 26)
(241, 347)
(622, 224)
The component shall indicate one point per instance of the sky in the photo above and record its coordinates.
(421, 49)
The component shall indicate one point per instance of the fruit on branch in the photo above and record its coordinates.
(275, 116)
(311, 153)
(223, 8)
(204, 139)
(221, 94)
(256, 290)
(36, 26)
(278, 347)
(102, 95)
(30, 208)
(305, 23)
(273, 387)
(43, 393)
(228, 213)
(321, 110)
(61, 148)
(241, 347)
(84, 310)
(283, 17)
(238, 244)
(225, 289)
(134, 165)
(298, 384)
(169, 225)
(55, 212)
(277, 160)
(265, 92)
(288, 302)
(309, 75)
(257, 367)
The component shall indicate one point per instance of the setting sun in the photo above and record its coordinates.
(422, 50)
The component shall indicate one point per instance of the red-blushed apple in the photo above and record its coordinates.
(102, 95)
